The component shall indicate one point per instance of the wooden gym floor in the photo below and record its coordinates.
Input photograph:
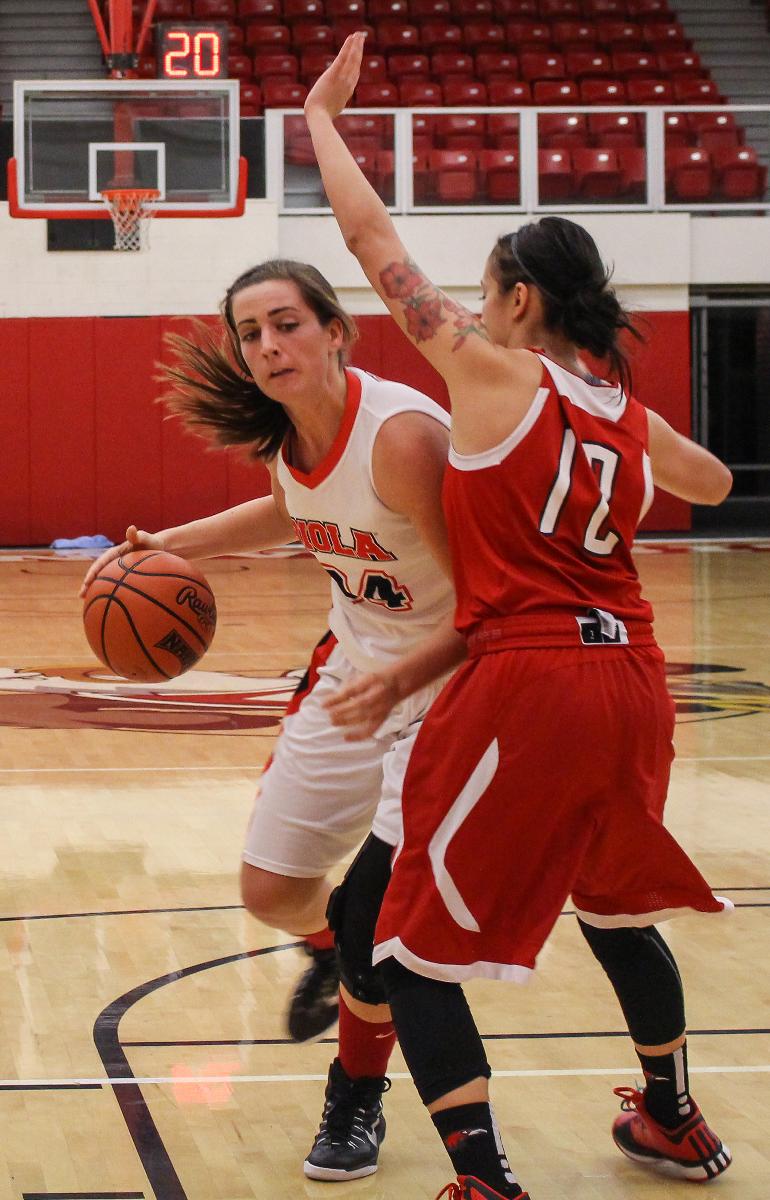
(143, 1051)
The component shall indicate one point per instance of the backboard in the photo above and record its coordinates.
(73, 139)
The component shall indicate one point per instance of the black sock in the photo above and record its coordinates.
(667, 1094)
(472, 1140)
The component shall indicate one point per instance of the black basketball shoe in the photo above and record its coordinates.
(352, 1127)
(314, 1006)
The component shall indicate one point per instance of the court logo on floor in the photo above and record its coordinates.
(709, 691)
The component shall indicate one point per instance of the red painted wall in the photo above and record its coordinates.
(87, 450)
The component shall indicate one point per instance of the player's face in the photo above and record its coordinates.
(283, 343)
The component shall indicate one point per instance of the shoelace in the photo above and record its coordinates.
(629, 1098)
(347, 1113)
(451, 1191)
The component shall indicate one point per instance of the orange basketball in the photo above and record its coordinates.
(149, 616)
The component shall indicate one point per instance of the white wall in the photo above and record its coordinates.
(657, 257)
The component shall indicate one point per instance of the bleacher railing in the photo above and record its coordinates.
(677, 161)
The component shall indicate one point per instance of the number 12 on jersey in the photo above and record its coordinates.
(608, 461)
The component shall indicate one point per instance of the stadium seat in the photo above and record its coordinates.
(503, 130)
(421, 177)
(649, 91)
(555, 175)
(358, 126)
(210, 10)
(422, 132)
(306, 36)
(236, 39)
(472, 10)
(697, 91)
(555, 91)
(384, 174)
(313, 63)
(517, 8)
(515, 92)
(283, 93)
(541, 66)
(499, 176)
(493, 63)
(484, 34)
(602, 91)
(420, 93)
(677, 129)
(555, 10)
(688, 175)
(416, 67)
(459, 93)
(619, 35)
(388, 10)
(276, 64)
(573, 35)
(597, 173)
(739, 174)
(664, 35)
(436, 35)
(147, 67)
(629, 64)
(269, 11)
(374, 69)
(650, 10)
(343, 26)
(680, 62)
(529, 35)
(263, 38)
(616, 130)
(345, 9)
(454, 63)
(455, 175)
(460, 131)
(251, 99)
(239, 66)
(303, 10)
(172, 8)
(713, 130)
(562, 129)
(587, 64)
(376, 95)
(429, 10)
(633, 171)
(598, 9)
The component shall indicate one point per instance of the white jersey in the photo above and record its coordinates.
(387, 590)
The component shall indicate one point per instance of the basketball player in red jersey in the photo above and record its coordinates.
(542, 769)
(356, 464)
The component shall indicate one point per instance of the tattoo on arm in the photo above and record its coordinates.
(425, 306)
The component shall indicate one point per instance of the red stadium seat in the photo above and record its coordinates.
(384, 173)
(573, 35)
(307, 36)
(688, 175)
(376, 95)
(627, 64)
(555, 91)
(472, 10)
(429, 10)
(740, 175)
(515, 92)
(172, 8)
(263, 10)
(588, 64)
(605, 8)
(313, 63)
(343, 26)
(304, 10)
(377, 131)
(529, 35)
(236, 38)
(484, 34)
(517, 8)
(493, 63)
(388, 10)
(251, 99)
(555, 175)
(416, 67)
(712, 130)
(503, 130)
(209, 10)
(345, 9)
(451, 62)
(602, 91)
(677, 129)
(420, 93)
(460, 131)
(276, 64)
(367, 161)
(499, 176)
(680, 62)
(422, 132)
(664, 35)
(455, 175)
(697, 91)
(437, 34)
(421, 177)
(554, 10)
(374, 69)
(597, 173)
(649, 91)
(459, 93)
(541, 66)
(283, 93)
(649, 10)
(239, 66)
(263, 38)
(633, 170)
(562, 129)
(619, 35)
(147, 67)
(616, 130)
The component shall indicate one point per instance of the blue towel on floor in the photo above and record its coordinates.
(97, 542)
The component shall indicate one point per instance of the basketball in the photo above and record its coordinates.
(149, 616)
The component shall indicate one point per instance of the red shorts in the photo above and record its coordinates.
(536, 774)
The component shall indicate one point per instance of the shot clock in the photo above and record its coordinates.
(191, 50)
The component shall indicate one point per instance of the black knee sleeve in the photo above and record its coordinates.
(436, 1031)
(644, 974)
(352, 915)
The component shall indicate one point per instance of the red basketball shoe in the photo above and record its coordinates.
(470, 1188)
(691, 1150)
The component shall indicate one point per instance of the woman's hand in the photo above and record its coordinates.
(332, 91)
(136, 539)
(362, 705)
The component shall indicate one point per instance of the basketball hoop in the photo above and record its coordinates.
(130, 214)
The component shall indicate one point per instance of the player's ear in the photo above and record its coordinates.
(336, 333)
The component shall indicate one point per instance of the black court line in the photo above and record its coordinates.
(51, 1087)
(143, 1131)
(82, 1195)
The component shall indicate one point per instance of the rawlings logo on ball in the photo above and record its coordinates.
(206, 613)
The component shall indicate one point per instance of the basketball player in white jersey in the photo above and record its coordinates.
(356, 465)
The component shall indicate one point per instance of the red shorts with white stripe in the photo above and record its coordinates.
(537, 774)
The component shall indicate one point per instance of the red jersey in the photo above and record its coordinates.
(541, 526)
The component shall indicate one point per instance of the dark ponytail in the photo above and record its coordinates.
(560, 258)
(209, 384)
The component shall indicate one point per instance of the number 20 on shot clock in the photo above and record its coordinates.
(191, 50)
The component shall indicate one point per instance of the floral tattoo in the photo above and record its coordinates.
(424, 305)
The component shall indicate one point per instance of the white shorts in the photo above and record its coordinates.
(320, 795)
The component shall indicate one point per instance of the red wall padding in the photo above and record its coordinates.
(86, 448)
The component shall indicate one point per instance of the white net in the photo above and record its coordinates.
(131, 216)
